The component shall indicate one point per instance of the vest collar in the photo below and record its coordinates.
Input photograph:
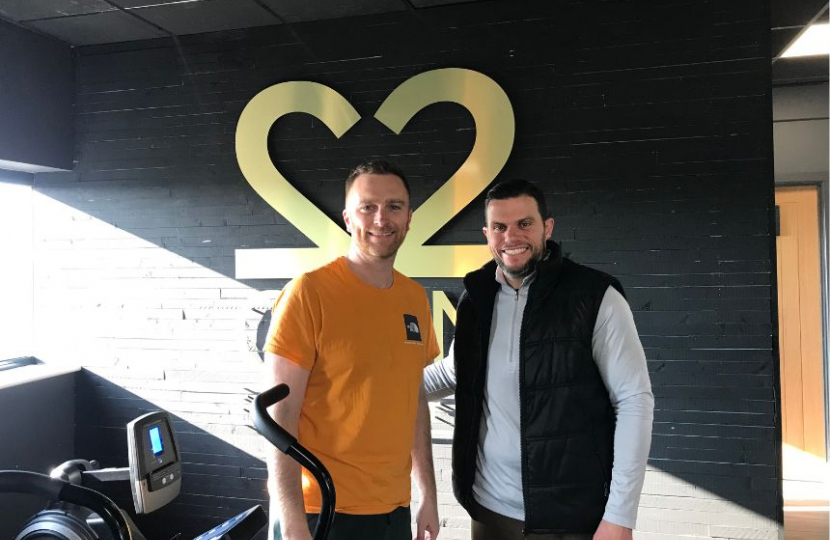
(547, 271)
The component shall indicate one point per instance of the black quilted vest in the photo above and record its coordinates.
(567, 421)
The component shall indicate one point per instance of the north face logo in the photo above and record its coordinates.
(413, 331)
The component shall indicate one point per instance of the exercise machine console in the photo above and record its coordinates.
(155, 471)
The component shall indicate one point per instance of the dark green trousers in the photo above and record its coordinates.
(392, 526)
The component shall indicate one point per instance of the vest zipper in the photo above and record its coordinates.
(522, 415)
(472, 445)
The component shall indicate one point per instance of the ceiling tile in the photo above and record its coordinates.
(207, 16)
(26, 10)
(312, 10)
(108, 27)
(145, 3)
(432, 3)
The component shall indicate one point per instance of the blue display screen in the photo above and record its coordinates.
(155, 440)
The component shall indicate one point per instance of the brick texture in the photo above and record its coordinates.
(647, 125)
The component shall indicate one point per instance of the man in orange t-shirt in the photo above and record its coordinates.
(351, 340)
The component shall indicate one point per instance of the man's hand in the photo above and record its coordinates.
(284, 478)
(610, 531)
(426, 520)
(423, 473)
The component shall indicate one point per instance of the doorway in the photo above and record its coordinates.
(802, 364)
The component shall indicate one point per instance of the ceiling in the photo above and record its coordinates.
(789, 18)
(90, 22)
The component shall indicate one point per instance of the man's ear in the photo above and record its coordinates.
(485, 231)
(548, 228)
(347, 221)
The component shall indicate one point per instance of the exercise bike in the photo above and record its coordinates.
(78, 512)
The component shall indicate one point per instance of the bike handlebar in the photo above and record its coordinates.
(287, 444)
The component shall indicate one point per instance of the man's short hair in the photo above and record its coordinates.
(516, 187)
(376, 166)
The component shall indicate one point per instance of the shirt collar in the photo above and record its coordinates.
(528, 279)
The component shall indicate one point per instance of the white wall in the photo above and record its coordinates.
(800, 129)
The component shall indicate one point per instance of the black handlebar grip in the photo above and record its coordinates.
(263, 422)
(274, 395)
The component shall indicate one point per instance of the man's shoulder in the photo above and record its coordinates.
(314, 279)
(322, 272)
(482, 276)
(408, 284)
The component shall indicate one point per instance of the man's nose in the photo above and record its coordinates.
(381, 216)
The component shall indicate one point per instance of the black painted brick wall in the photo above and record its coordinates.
(648, 125)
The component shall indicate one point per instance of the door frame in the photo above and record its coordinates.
(824, 279)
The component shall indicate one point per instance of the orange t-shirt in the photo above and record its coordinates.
(366, 349)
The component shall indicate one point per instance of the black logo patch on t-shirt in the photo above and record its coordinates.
(413, 330)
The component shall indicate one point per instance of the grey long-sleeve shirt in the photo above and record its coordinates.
(622, 366)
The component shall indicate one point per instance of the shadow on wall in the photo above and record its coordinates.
(691, 473)
(262, 332)
(219, 480)
(36, 434)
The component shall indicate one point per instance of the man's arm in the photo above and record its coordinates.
(284, 480)
(622, 364)
(424, 474)
(439, 377)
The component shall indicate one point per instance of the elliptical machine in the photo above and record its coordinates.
(78, 512)
(67, 517)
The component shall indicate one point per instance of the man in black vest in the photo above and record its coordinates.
(553, 400)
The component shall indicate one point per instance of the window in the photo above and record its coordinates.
(16, 282)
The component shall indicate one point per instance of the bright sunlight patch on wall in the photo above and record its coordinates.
(814, 41)
(173, 332)
(16, 269)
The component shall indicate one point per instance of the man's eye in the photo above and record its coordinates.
(525, 224)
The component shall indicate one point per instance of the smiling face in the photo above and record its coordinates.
(516, 235)
(377, 215)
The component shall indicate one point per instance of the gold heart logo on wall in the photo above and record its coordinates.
(495, 131)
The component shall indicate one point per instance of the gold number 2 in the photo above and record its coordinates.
(495, 131)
